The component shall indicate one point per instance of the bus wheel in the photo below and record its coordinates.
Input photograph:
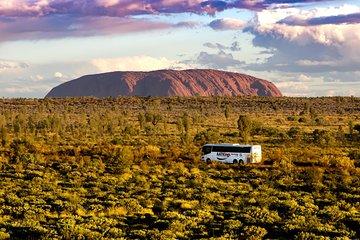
(208, 160)
(235, 161)
(241, 161)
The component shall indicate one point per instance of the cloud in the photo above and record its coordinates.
(259, 5)
(234, 46)
(8, 64)
(312, 84)
(58, 75)
(318, 48)
(37, 78)
(220, 60)
(315, 89)
(135, 63)
(65, 26)
(293, 88)
(215, 46)
(20, 89)
(114, 8)
(186, 24)
(124, 8)
(47, 19)
(338, 19)
(227, 24)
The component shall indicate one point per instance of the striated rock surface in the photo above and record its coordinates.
(203, 82)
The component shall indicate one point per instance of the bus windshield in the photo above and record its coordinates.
(206, 150)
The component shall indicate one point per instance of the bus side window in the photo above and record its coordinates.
(246, 149)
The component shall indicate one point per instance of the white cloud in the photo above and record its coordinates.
(320, 48)
(58, 75)
(272, 16)
(306, 62)
(293, 88)
(304, 78)
(20, 89)
(8, 64)
(312, 84)
(37, 78)
(107, 3)
(227, 24)
(135, 63)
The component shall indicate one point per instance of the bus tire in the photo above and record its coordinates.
(235, 161)
(208, 160)
(241, 162)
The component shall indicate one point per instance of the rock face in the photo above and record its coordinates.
(203, 82)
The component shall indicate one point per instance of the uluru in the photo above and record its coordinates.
(192, 82)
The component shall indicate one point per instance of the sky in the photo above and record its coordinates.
(306, 47)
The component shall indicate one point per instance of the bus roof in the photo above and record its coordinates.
(229, 145)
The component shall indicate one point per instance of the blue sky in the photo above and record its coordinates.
(307, 48)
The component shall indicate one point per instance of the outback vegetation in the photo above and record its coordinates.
(129, 168)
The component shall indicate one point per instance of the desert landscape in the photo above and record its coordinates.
(179, 119)
(129, 168)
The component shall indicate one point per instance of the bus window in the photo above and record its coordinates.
(245, 149)
(220, 149)
(206, 150)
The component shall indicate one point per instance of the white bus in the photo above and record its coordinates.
(231, 153)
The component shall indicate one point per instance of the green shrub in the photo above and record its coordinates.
(342, 163)
(150, 152)
(292, 118)
(207, 136)
(245, 125)
(355, 155)
(295, 133)
(4, 235)
(254, 232)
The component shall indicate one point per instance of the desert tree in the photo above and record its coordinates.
(186, 122)
(357, 128)
(142, 120)
(351, 128)
(3, 136)
(227, 111)
(245, 126)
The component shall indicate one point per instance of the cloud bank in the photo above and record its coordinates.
(307, 45)
(63, 26)
(48, 19)
(8, 64)
(339, 19)
(135, 63)
(123, 8)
